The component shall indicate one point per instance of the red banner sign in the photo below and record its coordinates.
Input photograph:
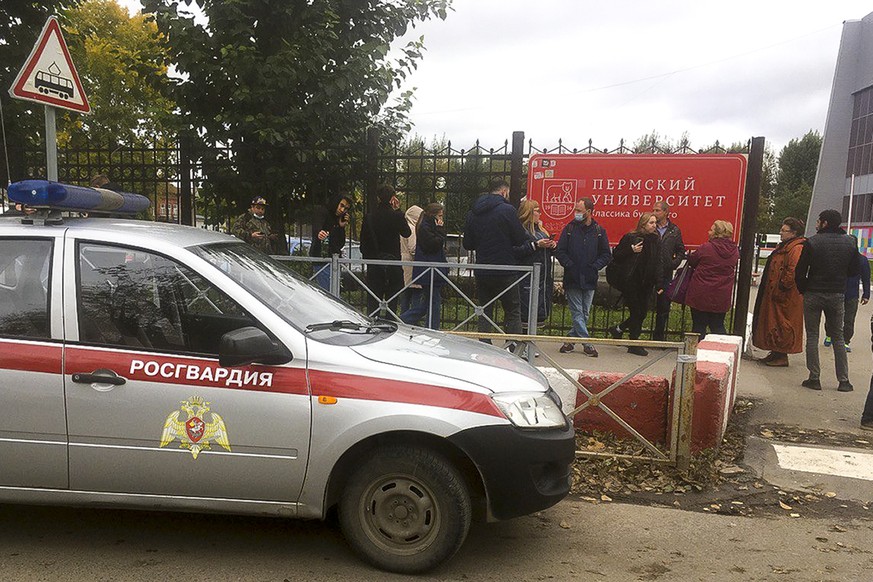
(699, 188)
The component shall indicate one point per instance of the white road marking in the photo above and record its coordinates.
(825, 461)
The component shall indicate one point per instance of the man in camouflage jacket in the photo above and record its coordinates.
(253, 227)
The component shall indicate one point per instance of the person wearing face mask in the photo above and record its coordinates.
(252, 226)
(583, 249)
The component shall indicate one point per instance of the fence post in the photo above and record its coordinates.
(335, 275)
(533, 303)
(186, 197)
(747, 234)
(686, 375)
(372, 166)
(516, 167)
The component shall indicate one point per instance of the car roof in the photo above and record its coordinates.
(130, 231)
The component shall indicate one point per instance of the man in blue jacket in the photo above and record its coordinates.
(583, 250)
(493, 230)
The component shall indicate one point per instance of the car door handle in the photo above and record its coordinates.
(99, 377)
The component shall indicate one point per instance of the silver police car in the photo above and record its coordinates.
(159, 366)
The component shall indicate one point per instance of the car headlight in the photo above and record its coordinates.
(531, 409)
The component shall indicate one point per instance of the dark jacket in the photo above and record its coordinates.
(493, 230)
(329, 221)
(672, 253)
(862, 279)
(430, 247)
(381, 231)
(582, 250)
(527, 254)
(644, 268)
(827, 260)
(712, 285)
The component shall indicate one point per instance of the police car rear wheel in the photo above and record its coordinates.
(406, 510)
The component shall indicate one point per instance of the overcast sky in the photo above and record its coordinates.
(606, 70)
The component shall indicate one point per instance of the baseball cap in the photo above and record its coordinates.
(259, 200)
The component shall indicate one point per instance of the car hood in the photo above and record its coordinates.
(455, 357)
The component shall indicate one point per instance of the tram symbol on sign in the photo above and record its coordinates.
(51, 81)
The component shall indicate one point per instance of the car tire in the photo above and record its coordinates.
(405, 510)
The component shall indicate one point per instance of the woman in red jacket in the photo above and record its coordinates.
(711, 287)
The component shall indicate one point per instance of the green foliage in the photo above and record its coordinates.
(123, 63)
(277, 81)
(798, 163)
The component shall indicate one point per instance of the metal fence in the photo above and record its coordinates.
(192, 183)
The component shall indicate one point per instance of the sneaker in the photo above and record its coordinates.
(867, 425)
(848, 349)
(589, 350)
(638, 351)
(615, 332)
(845, 387)
(827, 341)
(566, 348)
(812, 384)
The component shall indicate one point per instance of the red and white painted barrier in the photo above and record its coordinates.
(644, 402)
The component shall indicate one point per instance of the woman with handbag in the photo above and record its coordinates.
(637, 260)
(778, 321)
(711, 287)
(537, 249)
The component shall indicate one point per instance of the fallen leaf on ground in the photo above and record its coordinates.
(784, 506)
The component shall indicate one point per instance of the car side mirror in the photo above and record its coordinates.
(250, 345)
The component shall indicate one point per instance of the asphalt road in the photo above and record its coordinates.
(575, 540)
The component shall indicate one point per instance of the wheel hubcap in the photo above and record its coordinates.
(400, 514)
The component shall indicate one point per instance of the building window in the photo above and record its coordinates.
(860, 158)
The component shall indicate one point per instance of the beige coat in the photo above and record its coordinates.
(407, 245)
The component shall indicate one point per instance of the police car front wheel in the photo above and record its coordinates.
(407, 509)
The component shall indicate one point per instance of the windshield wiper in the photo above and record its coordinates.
(346, 325)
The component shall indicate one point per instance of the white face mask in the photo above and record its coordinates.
(258, 215)
(580, 216)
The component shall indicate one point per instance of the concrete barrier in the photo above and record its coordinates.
(644, 402)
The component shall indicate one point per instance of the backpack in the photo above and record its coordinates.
(618, 273)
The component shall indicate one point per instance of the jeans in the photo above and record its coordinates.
(832, 305)
(490, 287)
(579, 301)
(418, 307)
(851, 309)
(322, 277)
(700, 320)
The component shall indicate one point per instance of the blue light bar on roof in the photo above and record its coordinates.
(54, 195)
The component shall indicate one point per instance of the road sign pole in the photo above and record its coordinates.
(51, 144)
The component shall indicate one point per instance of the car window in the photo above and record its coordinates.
(24, 281)
(139, 299)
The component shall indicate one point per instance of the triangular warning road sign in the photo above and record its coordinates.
(48, 75)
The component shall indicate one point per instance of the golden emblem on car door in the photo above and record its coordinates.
(195, 432)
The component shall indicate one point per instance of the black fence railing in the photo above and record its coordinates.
(193, 183)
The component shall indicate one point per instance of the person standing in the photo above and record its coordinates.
(538, 249)
(252, 226)
(853, 297)
(407, 254)
(639, 251)
(493, 230)
(672, 253)
(867, 413)
(380, 240)
(777, 324)
(711, 287)
(583, 249)
(827, 260)
(430, 248)
(329, 235)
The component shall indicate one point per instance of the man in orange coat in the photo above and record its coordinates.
(778, 321)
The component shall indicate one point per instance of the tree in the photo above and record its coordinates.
(798, 163)
(20, 24)
(123, 62)
(278, 82)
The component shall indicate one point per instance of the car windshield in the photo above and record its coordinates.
(278, 286)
